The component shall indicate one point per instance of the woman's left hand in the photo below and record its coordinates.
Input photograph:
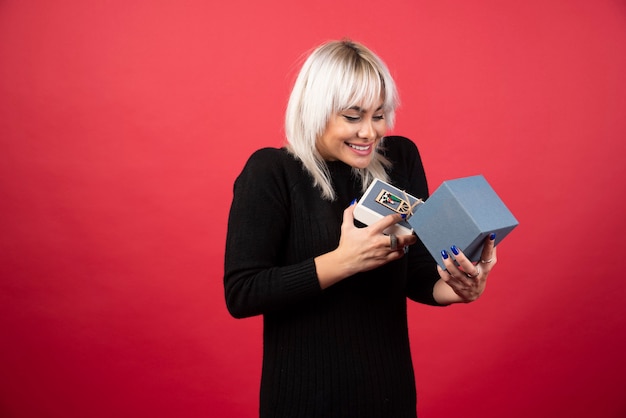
(468, 280)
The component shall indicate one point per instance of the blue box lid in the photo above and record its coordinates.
(462, 212)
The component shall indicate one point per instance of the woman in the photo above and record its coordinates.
(333, 295)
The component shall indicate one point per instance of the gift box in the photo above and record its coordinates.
(382, 199)
(462, 212)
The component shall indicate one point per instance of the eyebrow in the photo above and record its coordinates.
(360, 110)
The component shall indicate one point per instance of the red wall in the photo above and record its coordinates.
(123, 125)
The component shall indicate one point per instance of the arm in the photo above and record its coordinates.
(408, 174)
(427, 282)
(256, 279)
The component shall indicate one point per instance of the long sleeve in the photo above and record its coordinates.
(256, 280)
(408, 174)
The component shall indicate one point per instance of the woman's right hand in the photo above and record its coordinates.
(361, 249)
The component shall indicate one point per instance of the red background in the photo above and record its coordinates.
(123, 125)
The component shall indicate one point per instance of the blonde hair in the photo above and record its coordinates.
(336, 76)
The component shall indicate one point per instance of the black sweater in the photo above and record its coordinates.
(339, 352)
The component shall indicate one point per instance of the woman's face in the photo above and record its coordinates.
(351, 135)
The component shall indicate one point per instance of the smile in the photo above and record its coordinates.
(359, 147)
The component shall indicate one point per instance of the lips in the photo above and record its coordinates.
(361, 148)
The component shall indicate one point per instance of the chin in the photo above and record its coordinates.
(360, 163)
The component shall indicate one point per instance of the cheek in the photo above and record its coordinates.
(347, 131)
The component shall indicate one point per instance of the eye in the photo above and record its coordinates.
(351, 118)
(378, 117)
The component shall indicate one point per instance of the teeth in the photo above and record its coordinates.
(359, 148)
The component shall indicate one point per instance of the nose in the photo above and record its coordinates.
(366, 130)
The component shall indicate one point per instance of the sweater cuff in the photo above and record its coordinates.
(300, 280)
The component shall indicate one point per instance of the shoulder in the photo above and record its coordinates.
(269, 167)
(399, 146)
(402, 153)
(406, 171)
(267, 156)
(270, 160)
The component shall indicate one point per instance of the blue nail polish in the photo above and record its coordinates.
(403, 216)
(353, 202)
(455, 250)
(444, 254)
(492, 236)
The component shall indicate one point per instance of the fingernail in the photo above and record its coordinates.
(492, 236)
(444, 254)
(455, 250)
(353, 202)
(403, 216)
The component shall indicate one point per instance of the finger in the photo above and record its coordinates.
(488, 255)
(443, 274)
(406, 240)
(452, 275)
(469, 269)
(450, 267)
(384, 223)
(348, 215)
(398, 242)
